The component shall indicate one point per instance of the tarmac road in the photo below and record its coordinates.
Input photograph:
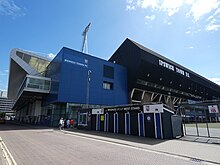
(47, 146)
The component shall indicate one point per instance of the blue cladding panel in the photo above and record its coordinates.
(73, 80)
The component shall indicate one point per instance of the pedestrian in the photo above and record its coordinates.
(61, 123)
(67, 123)
(71, 123)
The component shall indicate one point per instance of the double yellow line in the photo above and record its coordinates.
(6, 154)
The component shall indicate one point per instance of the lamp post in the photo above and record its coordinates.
(88, 87)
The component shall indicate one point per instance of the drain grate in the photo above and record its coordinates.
(196, 160)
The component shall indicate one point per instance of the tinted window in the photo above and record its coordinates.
(108, 71)
(107, 85)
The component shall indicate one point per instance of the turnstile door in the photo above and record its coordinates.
(159, 134)
(98, 116)
(93, 122)
(102, 122)
(111, 121)
(134, 122)
(121, 122)
(149, 125)
(116, 122)
(106, 122)
(127, 124)
(141, 130)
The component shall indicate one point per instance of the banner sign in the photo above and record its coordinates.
(157, 108)
(213, 109)
(97, 111)
(131, 108)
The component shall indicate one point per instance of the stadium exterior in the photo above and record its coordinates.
(152, 77)
(45, 90)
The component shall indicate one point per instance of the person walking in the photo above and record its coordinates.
(61, 123)
(71, 123)
(68, 123)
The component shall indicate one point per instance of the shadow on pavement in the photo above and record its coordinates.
(130, 138)
(14, 125)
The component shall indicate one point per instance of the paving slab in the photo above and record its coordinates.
(190, 149)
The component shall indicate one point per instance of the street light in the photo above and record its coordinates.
(88, 87)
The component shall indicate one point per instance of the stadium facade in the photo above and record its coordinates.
(152, 77)
(45, 90)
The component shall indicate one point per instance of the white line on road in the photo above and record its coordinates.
(9, 158)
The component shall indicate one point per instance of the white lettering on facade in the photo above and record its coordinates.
(171, 67)
(76, 63)
(123, 109)
(166, 65)
(180, 71)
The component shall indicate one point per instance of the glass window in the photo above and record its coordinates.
(108, 85)
(108, 71)
(38, 83)
(37, 63)
(82, 119)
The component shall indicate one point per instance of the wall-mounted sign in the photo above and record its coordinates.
(157, 108)
(97, 111)
(148, 118)
(131, 108)
(213, 109)
(77, 61)
(173, 68)
(102, 118)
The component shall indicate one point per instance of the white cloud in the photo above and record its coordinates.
(215, 80)
(148, 3)
(217, 11)
(129, 1)
(8, 7)
(129, 7)
(171, 6)
(191, 47)
(202, 13)
(189, 2)
(51, 55)
(212, 20)
(152, 17)
(212, 27)
(203, 7)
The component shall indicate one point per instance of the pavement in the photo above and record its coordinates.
(198, 150)
(203, 150)
(201, 139)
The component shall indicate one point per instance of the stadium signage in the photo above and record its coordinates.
(132, 108)
(173, 68)
(76, 63)
(213, 109)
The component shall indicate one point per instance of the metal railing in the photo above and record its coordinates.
(199, 121)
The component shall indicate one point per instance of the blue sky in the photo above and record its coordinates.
(185, 31)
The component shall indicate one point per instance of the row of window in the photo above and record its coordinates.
(108, 72)
(107, 85)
